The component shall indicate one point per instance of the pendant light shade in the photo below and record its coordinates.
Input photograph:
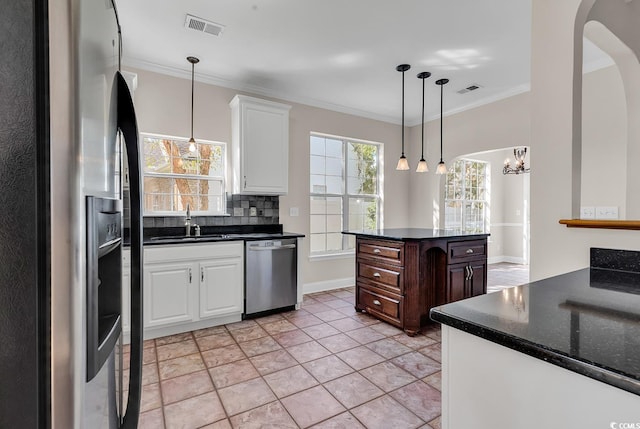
(192, 141)
(403, 164)
(442, 168)
(422, 165)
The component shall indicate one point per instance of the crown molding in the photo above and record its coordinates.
(257, 90)
(253, 89)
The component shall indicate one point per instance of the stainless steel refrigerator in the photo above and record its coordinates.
(67, 132)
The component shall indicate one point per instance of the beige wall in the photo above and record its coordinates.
(604, 140)
(162, 103)
(555, 248)
(502, 124)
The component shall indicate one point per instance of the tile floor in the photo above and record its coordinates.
(505, 275)
(323, 366)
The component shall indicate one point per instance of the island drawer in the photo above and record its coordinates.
(387, 275)
(381, 304)
(460, 251)
(388, 251)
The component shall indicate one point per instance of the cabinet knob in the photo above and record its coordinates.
(469, 251)
(376, 250)
(376, 302)
(376, 275)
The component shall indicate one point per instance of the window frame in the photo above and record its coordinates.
(222, 177)
(465, 201)
(346, 196)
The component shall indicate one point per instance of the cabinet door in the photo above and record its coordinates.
(456, 282)
(260, 139)
(169, 293)
(221, 287)
(478, 281)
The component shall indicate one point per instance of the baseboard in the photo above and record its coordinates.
(508, 259)
(328, 285)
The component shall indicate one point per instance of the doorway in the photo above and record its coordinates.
(478, 195)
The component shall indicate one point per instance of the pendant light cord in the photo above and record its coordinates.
(441, 93)
(403, 114)
(192, 78)
(422, 154)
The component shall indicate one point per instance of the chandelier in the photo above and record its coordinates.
(518, 154)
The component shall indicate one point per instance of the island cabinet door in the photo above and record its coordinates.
(477, 283)
(457, 278)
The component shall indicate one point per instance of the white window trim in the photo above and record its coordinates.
(222, 177)
(487, 202)
(344, 252)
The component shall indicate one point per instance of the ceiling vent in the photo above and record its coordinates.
(470, 88)
(202, 25)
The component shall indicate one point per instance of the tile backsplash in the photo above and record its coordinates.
(241, 210)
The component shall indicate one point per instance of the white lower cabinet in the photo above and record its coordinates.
(169, 293)
(219, 294)
(192, 287)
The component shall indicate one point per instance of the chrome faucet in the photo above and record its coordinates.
(187, 222)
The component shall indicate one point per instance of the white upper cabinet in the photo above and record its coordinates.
(260, 146)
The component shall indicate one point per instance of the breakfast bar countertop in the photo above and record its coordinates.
(587, 321)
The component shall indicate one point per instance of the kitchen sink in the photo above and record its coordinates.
(188, 237)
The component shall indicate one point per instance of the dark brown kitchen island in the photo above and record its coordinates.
(402, 273)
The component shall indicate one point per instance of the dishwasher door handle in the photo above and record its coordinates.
(269, 248)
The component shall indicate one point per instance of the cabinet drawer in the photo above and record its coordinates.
(388, 251)
(386, 275)
(384, 305)
(466, 250)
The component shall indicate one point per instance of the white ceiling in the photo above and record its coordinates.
(341, 54)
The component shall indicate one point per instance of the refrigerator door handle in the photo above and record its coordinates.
(128, 126)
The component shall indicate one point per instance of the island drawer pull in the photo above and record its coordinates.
(376, 302)
(376, 250)
(377, 275)
(469, 251)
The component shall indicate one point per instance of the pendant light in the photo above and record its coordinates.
(442, 168)
(422, 165)
(403, 164)
(192, 141)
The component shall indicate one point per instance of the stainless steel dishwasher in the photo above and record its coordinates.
(271, 275)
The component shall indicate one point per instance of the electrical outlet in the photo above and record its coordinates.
(293, 212)
(253, 211)
(587, 212)
(606, 212)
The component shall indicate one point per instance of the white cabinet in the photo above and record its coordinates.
(168, 293)
(260, 146)
(192, 287)
(219, 294)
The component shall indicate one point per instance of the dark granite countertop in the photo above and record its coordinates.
(209, 234)
(587, 321)
(414, 234)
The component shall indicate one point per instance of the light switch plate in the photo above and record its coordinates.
(293, 211)
(587, 212)
(607, 212)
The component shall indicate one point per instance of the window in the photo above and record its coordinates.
(173, 176)
(467, 196)
(345, 191)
